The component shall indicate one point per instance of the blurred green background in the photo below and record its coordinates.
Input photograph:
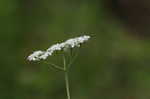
(112, 65)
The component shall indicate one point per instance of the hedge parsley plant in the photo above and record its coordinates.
(69, 46)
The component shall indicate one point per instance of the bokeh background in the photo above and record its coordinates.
(114, 64)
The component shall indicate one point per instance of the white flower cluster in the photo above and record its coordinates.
(71, 43)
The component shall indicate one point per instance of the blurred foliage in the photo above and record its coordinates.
(112, 65)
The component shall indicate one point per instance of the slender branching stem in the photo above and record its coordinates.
(66, 78)
(73, 59)
(55, 66)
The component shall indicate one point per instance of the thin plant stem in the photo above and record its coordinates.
(67, 85)
(73, 59)
(66, 79)
(55, 66)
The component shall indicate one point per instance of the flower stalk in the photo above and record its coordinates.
(67, 85)
(66, 78)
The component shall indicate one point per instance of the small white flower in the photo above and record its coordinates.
(75, 42)
(45, 55)
(70, 43)
(35, 56)
(55, 47)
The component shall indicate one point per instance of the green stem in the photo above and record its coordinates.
(66, 79)
(67, 85)
(55, 66)
(73, 59)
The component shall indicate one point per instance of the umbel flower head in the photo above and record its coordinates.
(70, 43)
